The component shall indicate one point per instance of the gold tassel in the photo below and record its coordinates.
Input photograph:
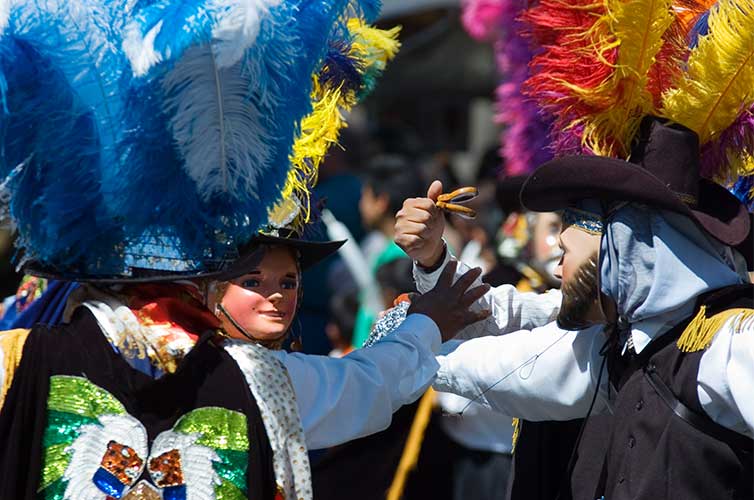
(699, 333)
(12, 347)
(516, 423)
(410, 456)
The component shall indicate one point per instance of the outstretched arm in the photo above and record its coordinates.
(343, 399)
(511, 310)
(543, 374)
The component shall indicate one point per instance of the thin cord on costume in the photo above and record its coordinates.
(242, 329)
(531, 360)
(572, 460)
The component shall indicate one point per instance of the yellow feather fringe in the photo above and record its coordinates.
(719, 81)
(373, 48)
(699, 333)
(638, 27)
(12, 346)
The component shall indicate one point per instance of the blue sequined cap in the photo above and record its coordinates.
(586, 221)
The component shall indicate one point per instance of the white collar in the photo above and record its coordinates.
(646, 330)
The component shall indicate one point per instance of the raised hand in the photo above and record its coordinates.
(449, 304)
(419, 226)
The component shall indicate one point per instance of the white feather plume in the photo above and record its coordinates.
(223, 140)
(5, 6)
(237, 26)
(89, 448)
(199, 476)
(140, 49)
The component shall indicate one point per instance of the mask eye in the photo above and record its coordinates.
(250, 283)
(289, 285)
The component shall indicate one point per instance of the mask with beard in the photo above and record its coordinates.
(579, 295)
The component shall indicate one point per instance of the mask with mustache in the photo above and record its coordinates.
(579, 295)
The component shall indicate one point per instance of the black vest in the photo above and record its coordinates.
(207, 378)
(662, 444)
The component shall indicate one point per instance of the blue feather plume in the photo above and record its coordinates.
(225, 134)
(51, 159)
(340, 69)
(61, 64)
(161, 126)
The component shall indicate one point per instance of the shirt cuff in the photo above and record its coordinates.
(425, 281)
(424, 329)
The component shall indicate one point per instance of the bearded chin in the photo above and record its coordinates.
(579, 296)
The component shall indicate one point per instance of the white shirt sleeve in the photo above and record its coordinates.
(341, 399)
(543, 374)
(726, 371)
(511, 310)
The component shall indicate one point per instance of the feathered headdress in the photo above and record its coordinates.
(524, 137)
(606, 65)
(163, 134)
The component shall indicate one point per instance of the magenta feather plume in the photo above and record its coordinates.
(736, 140)
(483, 18)
(525, 133)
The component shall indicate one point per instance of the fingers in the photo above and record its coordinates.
(472, 317)
(408, 242)
(418, 210)
(446, 278)
(473, 295)
(435, 190)
(465, 281)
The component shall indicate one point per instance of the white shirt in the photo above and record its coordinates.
(547, 373)
(341, 399)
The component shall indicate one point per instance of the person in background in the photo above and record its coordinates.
(387, 181)
(343, 309)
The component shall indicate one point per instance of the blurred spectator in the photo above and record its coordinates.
(343, 309)
(395, 278)
(388, 180)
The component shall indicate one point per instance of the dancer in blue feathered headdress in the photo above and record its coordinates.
(148, 148)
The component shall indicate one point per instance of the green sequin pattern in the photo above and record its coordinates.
(228, 491)
(219, 428)
(75, 402)
(79, 396)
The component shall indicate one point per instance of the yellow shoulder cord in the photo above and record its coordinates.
(699, 333)
(516, 423)
(12, 347)
(410, 456)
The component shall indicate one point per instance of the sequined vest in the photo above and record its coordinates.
(662, 444)
(79, 422)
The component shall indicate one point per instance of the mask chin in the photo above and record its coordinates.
(580, 296)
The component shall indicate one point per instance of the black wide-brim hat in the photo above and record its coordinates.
(663, 172)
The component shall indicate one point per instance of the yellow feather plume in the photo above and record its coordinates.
(373, 49)
(638, 27)
(719, 81)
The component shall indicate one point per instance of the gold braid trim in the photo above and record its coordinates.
(699, 333)
(516, 423)
(410, 456)
(12, 347)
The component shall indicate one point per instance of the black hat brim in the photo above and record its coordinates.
(562, 182)
(309, 252)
